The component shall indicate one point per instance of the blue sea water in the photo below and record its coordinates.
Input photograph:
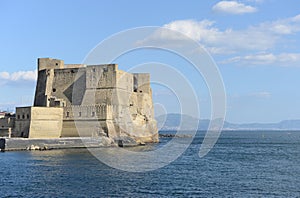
(242, 164)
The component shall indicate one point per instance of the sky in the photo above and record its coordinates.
(254, 43)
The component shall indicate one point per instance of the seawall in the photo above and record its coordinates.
(19, 144)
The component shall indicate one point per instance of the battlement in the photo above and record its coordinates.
(49, 63)
(74, 65)
(101, 76)
(79, 112)
(111, 67)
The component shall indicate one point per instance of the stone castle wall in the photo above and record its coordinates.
(6, 125)
(94, 100)
(38, 122)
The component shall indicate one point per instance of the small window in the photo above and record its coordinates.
(54, 90)
(68, 114)
(93, 114)
(79, 114)
(27, 116)
(105, 69)
(56, 64)
(94, 70)
(18, 116)
(141, 91)
(57, 103)
(23, 116)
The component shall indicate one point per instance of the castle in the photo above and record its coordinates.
(88, 101)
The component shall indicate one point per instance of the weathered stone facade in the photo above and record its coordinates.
(38, 122)
(95, 100)
(7, 122)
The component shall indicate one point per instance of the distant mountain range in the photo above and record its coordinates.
(172, 122)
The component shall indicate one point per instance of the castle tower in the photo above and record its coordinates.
(106, 100)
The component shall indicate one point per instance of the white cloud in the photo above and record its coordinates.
(282, 59)
(233, 7)
(261, 37)
(198, 30)
(19, 76)
(4, 75)
(218, 41)
(282, 26)
(258, 41)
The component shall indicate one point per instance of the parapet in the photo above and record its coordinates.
(107, 67)
(101, 76)
(71, 66)
(49, 63)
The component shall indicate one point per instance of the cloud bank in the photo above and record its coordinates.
(18, 77)
(260, 37)
(255, 42)
(282, 59)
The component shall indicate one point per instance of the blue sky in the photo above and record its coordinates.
(255, 44)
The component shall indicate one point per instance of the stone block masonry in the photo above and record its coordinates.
(88, 101)
(38, 122)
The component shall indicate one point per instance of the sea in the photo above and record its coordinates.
(241, 164)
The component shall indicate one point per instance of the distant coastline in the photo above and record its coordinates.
(171, 122)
